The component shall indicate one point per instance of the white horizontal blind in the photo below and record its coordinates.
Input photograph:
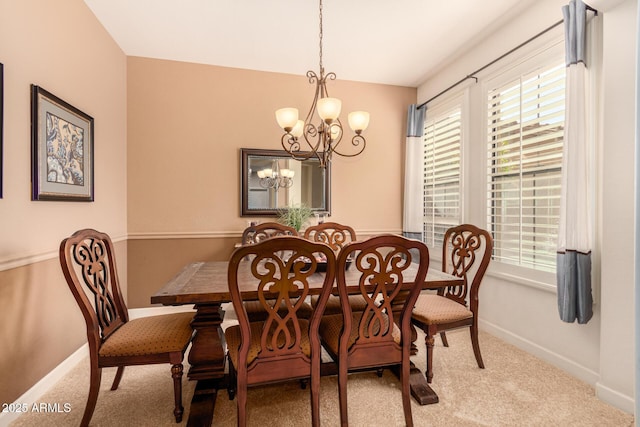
(442, 173)
(525, 137)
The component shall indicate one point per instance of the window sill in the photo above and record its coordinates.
(523, 276)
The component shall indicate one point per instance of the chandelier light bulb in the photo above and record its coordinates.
(358, 121)
(298, 129)
(287, 118)
(329, 109)
(334, 131)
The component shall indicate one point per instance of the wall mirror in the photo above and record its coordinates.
(271, 180)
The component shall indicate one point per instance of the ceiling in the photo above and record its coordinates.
(398, 42)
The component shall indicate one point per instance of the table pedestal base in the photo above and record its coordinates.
(207, 361)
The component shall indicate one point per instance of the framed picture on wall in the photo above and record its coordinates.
(61, 149)
(1, 125)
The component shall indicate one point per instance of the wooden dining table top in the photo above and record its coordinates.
(206, 283)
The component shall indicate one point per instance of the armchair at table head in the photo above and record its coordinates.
(88, 263)
(380, 335)
(466, 252)
(286, 345)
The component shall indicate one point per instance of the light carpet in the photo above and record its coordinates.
(515, 389)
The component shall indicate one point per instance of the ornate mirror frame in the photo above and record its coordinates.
(322, 198)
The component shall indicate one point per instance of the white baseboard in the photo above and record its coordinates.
(135, 313)
(41, 387)
(615, 398)
(612, 397)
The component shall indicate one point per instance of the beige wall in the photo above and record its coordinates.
(61, 47)
(186, 124)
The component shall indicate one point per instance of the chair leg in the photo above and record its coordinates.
(443, 337)
(342, 392)
(176, 374)
(241, 401)
(429, 341)
(94, 389)
(476, 345)
(315, 401)
(118, 377)
(406, 393)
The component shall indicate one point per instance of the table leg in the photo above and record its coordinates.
(207, 347)
(420, 389)
(207, 360)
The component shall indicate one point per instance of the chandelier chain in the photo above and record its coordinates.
(321, 69)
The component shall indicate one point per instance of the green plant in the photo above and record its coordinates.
(295, 216)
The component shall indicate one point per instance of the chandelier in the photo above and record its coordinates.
(303, 139)
(275, 177)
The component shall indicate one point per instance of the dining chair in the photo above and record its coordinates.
(89, 267)
(336, 235)
(466, 252)
(258, 233)
(266, 230)
(379, 336)
(285, 346)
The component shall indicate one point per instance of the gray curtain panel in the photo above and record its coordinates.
(573, 267)
(413, 191)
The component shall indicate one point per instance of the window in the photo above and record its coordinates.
(525, 137)
(442, 173)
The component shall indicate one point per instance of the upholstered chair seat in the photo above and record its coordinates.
(149, 336)
(435, 309)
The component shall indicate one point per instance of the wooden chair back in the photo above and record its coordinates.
(89, 265)
(332, 233)
(281, 271)
(466, 252)
(266, 230)
(385, 264)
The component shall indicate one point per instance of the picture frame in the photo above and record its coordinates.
(61, 149)
(1, 127)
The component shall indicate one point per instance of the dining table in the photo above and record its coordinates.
(204, 285)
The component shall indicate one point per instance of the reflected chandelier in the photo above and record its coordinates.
(275, 177)
(322, 140)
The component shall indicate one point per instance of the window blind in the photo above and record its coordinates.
(442, 173)
(525, 137)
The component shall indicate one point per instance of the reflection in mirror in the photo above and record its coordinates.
(272, 180)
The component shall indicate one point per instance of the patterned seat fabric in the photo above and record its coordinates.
(433, 309)
(149, 335)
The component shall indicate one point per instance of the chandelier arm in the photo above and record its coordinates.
(292, 146)
(355, 141)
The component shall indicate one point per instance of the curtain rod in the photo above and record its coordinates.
(472, 76)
